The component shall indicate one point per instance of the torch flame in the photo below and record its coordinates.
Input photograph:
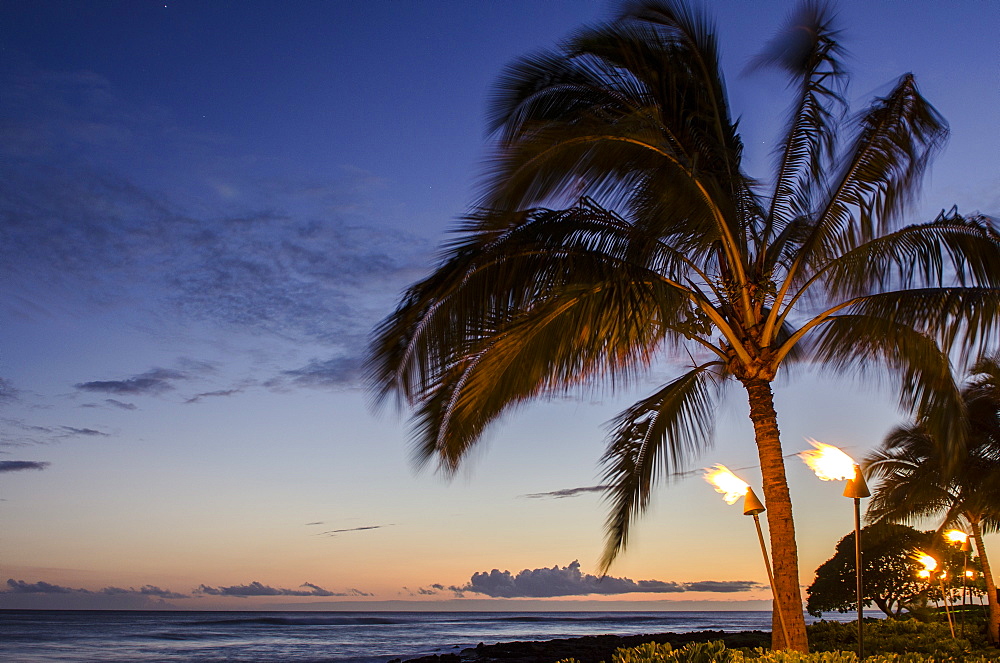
(828, 462)
(956, 536)
(929, 564)
(727, 483)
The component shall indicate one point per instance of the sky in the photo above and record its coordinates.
(205, 209)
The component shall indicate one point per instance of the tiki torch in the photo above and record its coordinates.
(831, 464)
(732, 488)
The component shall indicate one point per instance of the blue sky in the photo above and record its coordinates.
(205, 209)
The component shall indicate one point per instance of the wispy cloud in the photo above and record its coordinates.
(153, 382)
(335, 532)
(722, 586)
(567, 492)
(214, 394)
(111, 402)
(258, 589)
(21, 465)
(571, 581)
(302, 258)
(18, 433)
(337, 372)
(88, 432)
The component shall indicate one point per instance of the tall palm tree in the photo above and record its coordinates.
(917, 484)
(617, 229)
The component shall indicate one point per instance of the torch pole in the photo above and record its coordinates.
(857, 488)
(770, 578)
(857, 565)
(947, 605)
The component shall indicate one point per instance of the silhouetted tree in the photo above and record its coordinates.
(889, 569)
(617, 229)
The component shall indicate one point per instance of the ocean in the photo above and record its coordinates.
(37, 636)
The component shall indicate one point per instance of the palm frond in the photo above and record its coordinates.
(808, 51)
(863, 341)
(881, 171)
(648, 441)
(950, 250)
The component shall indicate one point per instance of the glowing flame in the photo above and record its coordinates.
(828, 462)
(968, 574)
(956, 536)
(929, 564)
(727, 483)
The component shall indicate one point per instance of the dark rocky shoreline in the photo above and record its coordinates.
(587, 649)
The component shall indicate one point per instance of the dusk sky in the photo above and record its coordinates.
(205, 207)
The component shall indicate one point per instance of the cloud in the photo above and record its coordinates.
(318, 522)
(87, 226)
(18, 433)
(152, 382)
(90, 432)
(722, 586)
(20, 465)
(146, 590)
(337, 372)
(41, 595)
(335, 532)
(258, 589)
(111, 402)
(571, 581)
(214, 394)
(568, 492)
(40, 587)
(8, 393)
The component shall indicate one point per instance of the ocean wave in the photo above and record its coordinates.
(573, 618)
(299, 621)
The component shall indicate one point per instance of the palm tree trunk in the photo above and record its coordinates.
(993, 624)
(784, 554)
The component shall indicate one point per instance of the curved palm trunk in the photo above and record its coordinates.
(993, 624)
(784, 553)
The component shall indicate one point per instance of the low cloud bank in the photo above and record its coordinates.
(571, 581)
(42, 587)
(258, 589)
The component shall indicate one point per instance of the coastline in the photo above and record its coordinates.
(586, 649)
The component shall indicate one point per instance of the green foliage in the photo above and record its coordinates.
(716, 652)
(934, 658)
(889, 636)
(651, 652)
(891, 641)
(927, 643)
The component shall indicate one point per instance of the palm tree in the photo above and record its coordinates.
(617, 230)
(917, 484)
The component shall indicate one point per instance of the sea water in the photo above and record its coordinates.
(37, 636)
